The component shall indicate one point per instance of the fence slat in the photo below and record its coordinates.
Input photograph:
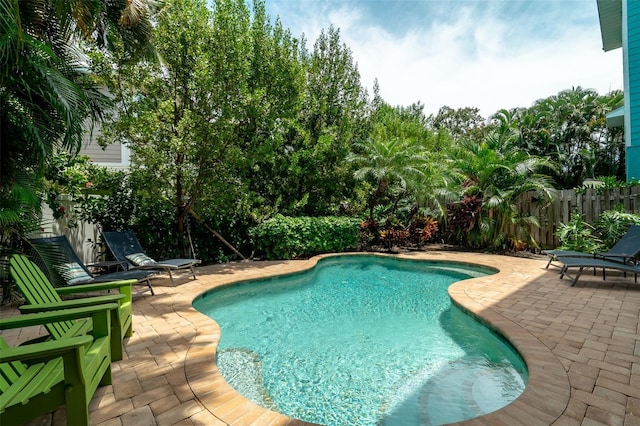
(587, 202)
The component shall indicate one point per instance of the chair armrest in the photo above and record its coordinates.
(45, 350)
(73, 303)
(624, 257)
(109, 285)
(54, 316)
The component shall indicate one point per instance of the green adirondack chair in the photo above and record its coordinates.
(42, 296)
(38, 378)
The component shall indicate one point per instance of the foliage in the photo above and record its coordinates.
(66, 178)
(613, 224)
(239, 121)
(292, 237)
(46, 90)
(603, 234)
(570, 129)
(422, 229)
(497, 172)
(331, 118)
(461, 123)
(462, 218)
(118, 202)
(399, 159)
(19, 216)
(393, 232)
(578, 235)
(606, 183)
(48, 98)
(210, 126)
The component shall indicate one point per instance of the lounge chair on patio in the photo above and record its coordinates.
(586, 262)
(61, 264)
(40, 377)
(623, 251)
(127, 250)
(41, 296)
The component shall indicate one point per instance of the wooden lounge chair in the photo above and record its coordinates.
(38, 378)
(42, 296)
(127, 250)
(62, 265)
(583, 262)
(623, 251)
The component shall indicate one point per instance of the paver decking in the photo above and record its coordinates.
(581, 344)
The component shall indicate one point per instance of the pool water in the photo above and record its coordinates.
(363, 340)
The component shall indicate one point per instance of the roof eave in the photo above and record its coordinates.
(610, 14)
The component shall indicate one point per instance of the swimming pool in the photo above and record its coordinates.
(363, 340)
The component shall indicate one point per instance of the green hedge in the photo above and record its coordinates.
(292, 237)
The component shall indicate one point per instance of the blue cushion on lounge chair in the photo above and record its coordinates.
(73, 273)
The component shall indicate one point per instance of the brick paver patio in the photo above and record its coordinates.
(581, 344)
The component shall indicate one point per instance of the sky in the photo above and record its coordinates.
(488, 54)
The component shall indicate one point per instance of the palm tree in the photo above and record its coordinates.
(496, 172)
(47, 93)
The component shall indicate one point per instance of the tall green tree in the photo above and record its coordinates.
(207, 125)
(461, 123)
(332, 119)
(169, 112)
(270, 126)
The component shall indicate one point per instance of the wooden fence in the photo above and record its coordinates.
(590, 202)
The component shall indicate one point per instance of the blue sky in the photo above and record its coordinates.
(489, 54)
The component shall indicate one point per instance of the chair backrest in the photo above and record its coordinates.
(37, 290)
(52, 252)
(122, 244)
(629, 244)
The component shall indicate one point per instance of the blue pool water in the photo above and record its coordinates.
(363, 340)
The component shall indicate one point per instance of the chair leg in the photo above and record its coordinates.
(563, 271)
(171, 276)
(575, 280)
(193, 271)
(148, 282)
(549, 263)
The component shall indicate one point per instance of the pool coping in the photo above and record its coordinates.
(543, 401)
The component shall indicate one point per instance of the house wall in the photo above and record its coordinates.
(111, 154)
(82, 235)
(115, 155)
(631, 55)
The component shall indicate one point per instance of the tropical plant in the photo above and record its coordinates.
(578, 235)
(19, 216)
(48, 98)
(570, 129)
(613, 224)
(399, 158)
(46, 92)
(498, 173)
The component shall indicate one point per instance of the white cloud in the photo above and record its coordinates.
(475, 57)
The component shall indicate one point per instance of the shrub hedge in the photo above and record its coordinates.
(293, 237)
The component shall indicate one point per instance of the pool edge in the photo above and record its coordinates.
(544, 399)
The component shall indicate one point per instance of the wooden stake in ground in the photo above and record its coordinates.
(220, 237)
